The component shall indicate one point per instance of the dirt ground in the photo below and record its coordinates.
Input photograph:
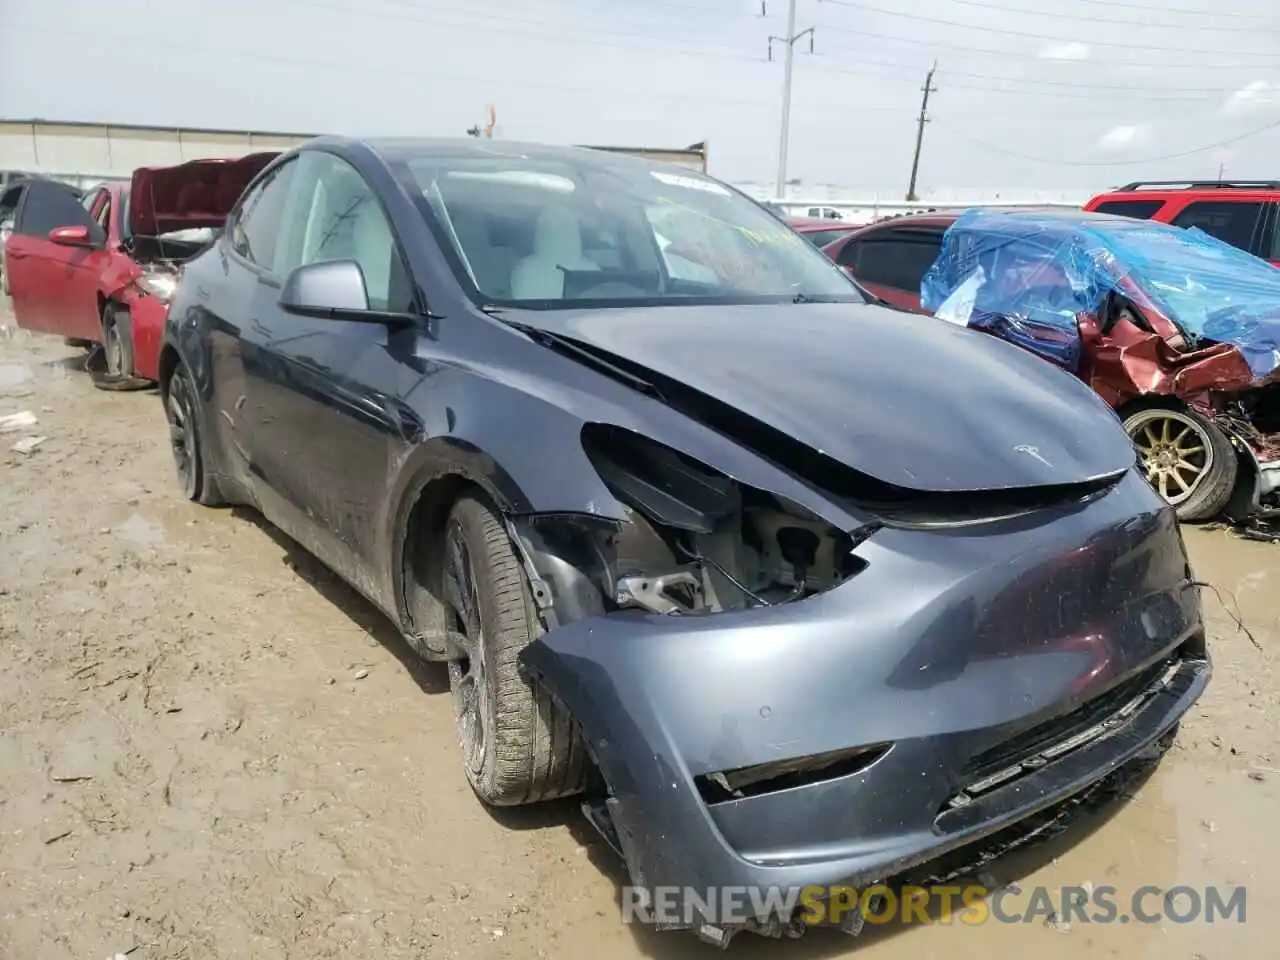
(211, 748)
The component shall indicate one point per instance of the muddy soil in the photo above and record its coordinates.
(211, 748)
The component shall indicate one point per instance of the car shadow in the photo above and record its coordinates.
(431, 677)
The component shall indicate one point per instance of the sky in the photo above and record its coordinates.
(1069, 95)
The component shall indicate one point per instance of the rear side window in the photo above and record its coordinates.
(1138, 209)
(897, 260)
(49, 205)
(255, 225)
(1234, 223)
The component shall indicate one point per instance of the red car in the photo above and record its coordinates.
(1175, 397)
(889, 257)
(820, 231)
(102, 269)
(1243, 213)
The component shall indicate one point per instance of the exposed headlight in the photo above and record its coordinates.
(162, 286)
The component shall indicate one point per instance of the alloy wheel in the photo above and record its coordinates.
(467, 674)
(113, 347)
(1174, 451)
(182, 436)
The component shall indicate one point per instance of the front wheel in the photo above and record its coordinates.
(117, 341)
(187, 441)
(518, 744)
(1188, 460)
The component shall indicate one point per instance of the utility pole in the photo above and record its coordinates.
(928, 88)
(785, 133)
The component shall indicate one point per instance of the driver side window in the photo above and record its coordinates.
(49, 205)
(333, 214)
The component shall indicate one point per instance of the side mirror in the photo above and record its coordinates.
(333, 290)
(71, 236)
(316, 289)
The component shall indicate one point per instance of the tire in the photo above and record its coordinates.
(1165, 437)
(187, 441)
(518, 745)
(117, 341)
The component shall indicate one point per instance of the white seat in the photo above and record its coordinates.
(557, 246)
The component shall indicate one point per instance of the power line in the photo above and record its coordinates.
(1119, 163)
(1164, 9)
(1056, 15)
(967, 51)
(714, 51)
(223, 51)
(854, 4)
(1023, 81)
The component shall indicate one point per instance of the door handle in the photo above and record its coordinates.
(17, 254)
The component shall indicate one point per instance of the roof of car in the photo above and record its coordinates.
(1067, 215)
(401, 149)
(805, 224)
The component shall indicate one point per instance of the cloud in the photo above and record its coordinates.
(1252, 97)
(1119, 137)
(1066, 51)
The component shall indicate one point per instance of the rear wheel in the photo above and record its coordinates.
(187, 441)
(1188, 460)
(518, 745)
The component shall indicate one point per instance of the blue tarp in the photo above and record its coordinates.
(1025, 276)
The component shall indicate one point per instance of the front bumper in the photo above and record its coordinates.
(963, 653)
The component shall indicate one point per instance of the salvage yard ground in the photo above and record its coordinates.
(211, 748)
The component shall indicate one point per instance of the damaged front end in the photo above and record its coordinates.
(1147, 314)
(776, 700)
(694, 542)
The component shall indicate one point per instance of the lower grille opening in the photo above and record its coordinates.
(777, 775)
(1046, 742)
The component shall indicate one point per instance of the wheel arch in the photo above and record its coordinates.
(440, 472)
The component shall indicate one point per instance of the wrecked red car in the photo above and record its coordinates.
(1177, 331)
(101, 269)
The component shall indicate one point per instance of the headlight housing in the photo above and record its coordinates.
(160, 284)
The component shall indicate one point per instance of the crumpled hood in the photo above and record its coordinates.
(903, 398)
(198, 193)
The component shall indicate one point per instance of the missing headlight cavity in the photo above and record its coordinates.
(698, 542)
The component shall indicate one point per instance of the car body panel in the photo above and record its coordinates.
(950, 638)
(192, 195)
(664, 700)
(847, 403)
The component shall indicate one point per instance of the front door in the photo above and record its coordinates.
(227, 301)
(332, 424)
(41, 271)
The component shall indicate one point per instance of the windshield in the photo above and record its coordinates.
(557, 234)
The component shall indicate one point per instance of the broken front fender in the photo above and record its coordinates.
(945, 647)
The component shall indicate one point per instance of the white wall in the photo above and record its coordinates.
(92, 152)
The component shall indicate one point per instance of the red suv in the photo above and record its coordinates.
(1243, 213)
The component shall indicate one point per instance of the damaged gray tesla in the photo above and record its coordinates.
(793, 589)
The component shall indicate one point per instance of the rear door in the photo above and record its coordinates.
(891, 263)
(40, 270)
